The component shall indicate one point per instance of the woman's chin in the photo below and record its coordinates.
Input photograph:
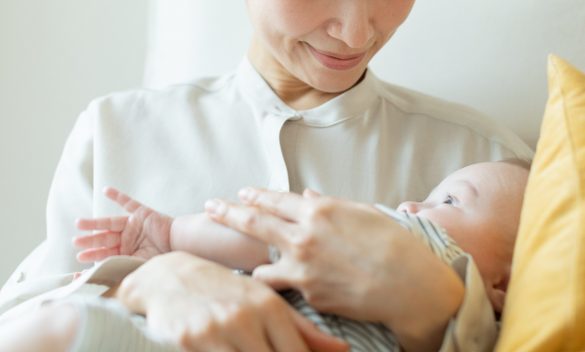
(334, 82)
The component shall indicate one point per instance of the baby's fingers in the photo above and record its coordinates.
(98, 240)
(97, 254)
(112, 224)
(123, 200)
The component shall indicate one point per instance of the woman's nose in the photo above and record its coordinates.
(409, 207)
(353, 25)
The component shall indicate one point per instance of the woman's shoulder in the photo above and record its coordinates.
(413, 102)
(184, 93)
(444, 114)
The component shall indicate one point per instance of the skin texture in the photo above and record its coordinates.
(308, 229)
(479, 206)
(181, 288)
(146, 233)
(125, 235)
(186, 298)
(193, 307)
(286, 31)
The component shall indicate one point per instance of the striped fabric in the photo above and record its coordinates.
(375, 337)
(362, 337)
(108, 326)
(430, 233)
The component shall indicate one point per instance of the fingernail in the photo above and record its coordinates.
(215, 207)
(247, 194)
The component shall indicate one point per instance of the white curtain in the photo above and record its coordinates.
(490, 55)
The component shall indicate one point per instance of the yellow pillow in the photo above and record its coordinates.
(545, 305)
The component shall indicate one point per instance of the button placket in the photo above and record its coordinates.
(271, 128)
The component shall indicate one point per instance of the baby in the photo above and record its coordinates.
(475, 210)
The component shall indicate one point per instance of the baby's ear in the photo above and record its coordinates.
(497, 293)
(497, 297)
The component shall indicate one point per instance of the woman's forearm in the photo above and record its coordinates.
(195, 303)
(198, 235)
(379, 272)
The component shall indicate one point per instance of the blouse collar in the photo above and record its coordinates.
(350, 104)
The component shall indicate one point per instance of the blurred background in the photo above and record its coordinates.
(55, 56)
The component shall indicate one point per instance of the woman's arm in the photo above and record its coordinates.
(204, 306)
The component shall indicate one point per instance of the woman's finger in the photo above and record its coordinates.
(252, 338)
(214, 345)
(105, 239)
(96, 254)
(263, 226)
(315, 338)
(123, 200)
(208, 346)
(282, 332)
(286, 205)
(116, 224)
(278, 276)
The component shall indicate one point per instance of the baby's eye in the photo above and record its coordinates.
(449, 199)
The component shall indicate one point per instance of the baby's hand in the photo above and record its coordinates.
(145, 233)
(77, 274)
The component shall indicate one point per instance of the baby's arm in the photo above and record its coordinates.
(199, 235)
(146, 233)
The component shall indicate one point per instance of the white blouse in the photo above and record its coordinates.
(173, 149)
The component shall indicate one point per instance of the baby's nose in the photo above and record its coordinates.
(409, 207)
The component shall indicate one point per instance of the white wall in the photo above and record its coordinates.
(55, 56)
(490, 55)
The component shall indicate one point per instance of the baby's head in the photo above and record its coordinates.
(479, 206)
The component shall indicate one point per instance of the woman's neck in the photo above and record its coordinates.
(292, 91)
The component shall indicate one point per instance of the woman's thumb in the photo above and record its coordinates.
(269, 274)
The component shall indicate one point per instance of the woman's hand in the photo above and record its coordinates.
(350, 259)
(205, 307)
(145, 233)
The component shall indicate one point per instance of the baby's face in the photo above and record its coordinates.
(479, 207)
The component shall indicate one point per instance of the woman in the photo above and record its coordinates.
(301, 111)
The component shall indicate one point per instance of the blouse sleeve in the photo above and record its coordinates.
(70, 197)
(93, 282)
(474, 328)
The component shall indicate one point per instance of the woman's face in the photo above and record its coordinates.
(326, 44)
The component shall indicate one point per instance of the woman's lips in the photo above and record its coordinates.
(335, 61)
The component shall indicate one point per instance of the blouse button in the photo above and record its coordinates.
(20, 277)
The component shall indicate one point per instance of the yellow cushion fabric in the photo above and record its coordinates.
(545, 305)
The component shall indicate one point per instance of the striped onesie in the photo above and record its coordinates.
(375, 337)
(107, 326)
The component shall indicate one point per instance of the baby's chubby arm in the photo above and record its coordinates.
(199, 235)
(146, 233)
